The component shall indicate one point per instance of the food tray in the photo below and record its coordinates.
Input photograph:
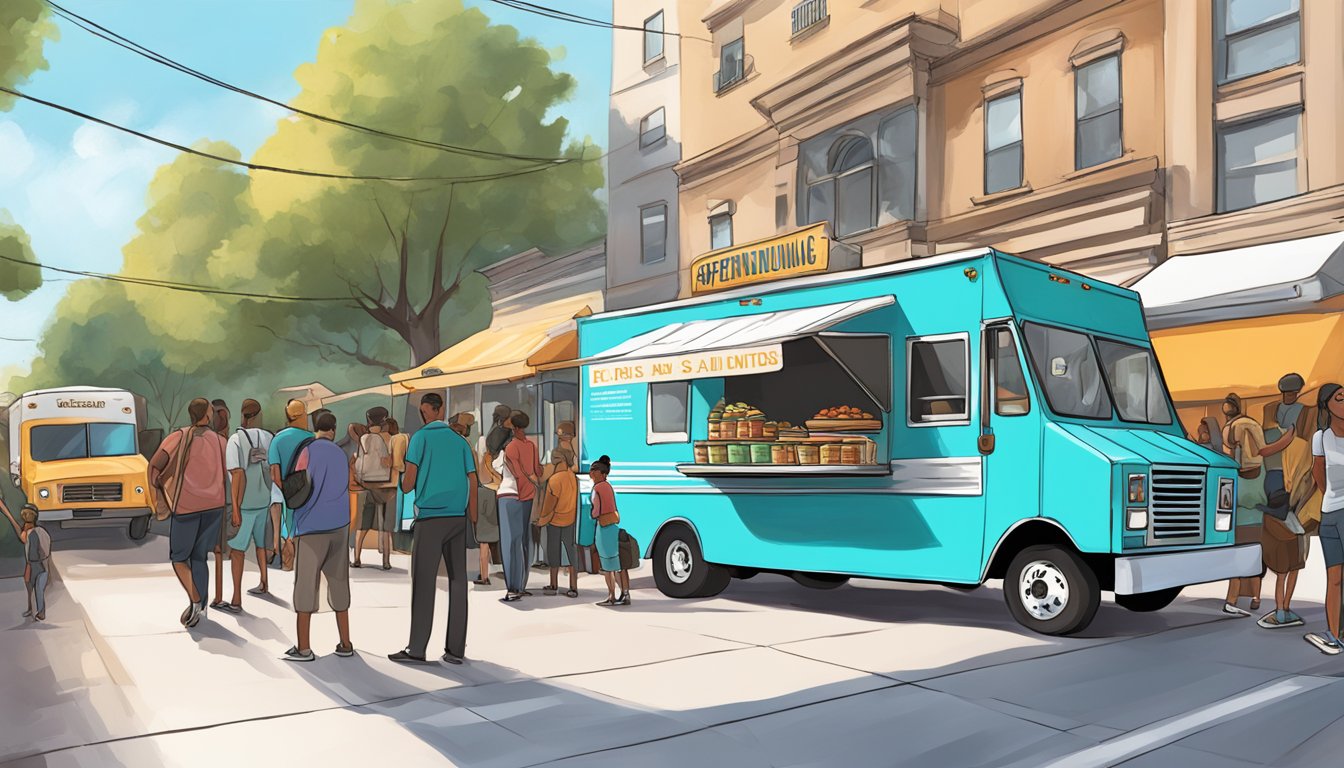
(844, 425)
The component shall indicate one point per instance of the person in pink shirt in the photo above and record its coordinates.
(522, 463)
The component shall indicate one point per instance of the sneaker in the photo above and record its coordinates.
(406, 657)
(186, 614)
(294, 654)
(345, 651)
(1232, 610)
(449, 658)
(1326, 645)
(28, 613)
(196, 613)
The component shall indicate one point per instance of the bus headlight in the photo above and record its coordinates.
(1227, 495)
(139, 490)
(43, 493)
(1138, 489)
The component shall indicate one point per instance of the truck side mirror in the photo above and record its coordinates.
(986, 444)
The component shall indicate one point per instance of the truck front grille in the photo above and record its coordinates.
(89, 492)
(1176, 505)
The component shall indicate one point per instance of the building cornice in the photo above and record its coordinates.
(744, 149)
(723, 11)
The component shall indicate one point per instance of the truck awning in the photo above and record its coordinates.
(1256, 281)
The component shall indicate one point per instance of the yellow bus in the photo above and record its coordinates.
(74, 453)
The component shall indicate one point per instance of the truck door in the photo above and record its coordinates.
(1010, 434)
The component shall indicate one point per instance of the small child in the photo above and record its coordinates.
(559, 513)
(608, 532)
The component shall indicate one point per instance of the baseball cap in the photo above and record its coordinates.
(1291, 383)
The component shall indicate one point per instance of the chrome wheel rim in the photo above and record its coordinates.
(679, 562)
(1043, 590)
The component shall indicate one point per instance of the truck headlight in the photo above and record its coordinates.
(1227, 494)
(43, 493)
(139, 489)
(1222, 521)
(1136, 519)
(1138, 489)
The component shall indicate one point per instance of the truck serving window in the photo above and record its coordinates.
(1135, 383)
(55, 442)
(939, 372)
(1066, 366)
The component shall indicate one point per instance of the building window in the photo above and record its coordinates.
(720, 231)
(653, 37)
(669, 412)
(1003, 143)
(939, 369)
(1098, 133)
(845, 182)
(1257, 160)
(1254, 36)
(732, 58)
(653, 128)
(781, 210)
(808, 14)
(653, 233)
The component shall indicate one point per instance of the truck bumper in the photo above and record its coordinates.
(77, 515)
(1150, 573)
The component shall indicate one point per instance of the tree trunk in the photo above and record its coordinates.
(423, 338)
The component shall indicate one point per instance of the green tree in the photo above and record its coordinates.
(407, 254)
(16, 280)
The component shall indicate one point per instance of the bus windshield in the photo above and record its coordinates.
(1071, 365)
(56, 442)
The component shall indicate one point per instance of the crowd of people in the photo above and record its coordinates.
(1290, 489)
(288, 495)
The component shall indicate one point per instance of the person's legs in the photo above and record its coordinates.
(182, 534)
(207, 537)
(1334, 587)
(40, 594)
(236, 556)
(523, 522)
(308, 557)
(454, 553)
(359, 546)
(264, 570)
(303, 623)
(1290, 585)
(571, 550)
(553, 544)
(336, 570)
(273, 532)
(485, 563)
(611, 585)
(426, 551)
(511, 545)
(28, 587)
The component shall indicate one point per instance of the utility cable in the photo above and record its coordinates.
(98, 30)
(574, 18)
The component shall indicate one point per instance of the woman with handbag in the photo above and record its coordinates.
(1286, 543)
(1244, 439)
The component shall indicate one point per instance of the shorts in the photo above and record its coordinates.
(1332, 537)
(253, 530)
(487, 516)
(186, 531)
(377, 510)
(321, 556)
(608, 540)
(558, 538)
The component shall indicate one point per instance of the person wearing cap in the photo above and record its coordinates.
(281, 455)
(1244, 440)
(373, 473)
(1283, 544)
(249, 499)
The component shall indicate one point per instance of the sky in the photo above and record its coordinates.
(78, 188)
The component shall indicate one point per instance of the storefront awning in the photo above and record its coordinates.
(1256, 281)
(503, 352)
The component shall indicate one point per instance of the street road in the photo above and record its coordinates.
(767, 674)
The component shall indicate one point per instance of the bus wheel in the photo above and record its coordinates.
(1051, 590)
(139, 527)
(1148, 602)
(819, 580)
(679, 568)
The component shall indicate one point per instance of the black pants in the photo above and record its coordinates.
(435, 539)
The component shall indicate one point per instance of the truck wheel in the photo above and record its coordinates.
(139, 527)
(1051, 590)
(679, 568)
(819, 580)
(1147, 602)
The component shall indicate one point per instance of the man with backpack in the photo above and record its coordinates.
(280, 456)
(250, 498)
(373, 473)
(187, 475)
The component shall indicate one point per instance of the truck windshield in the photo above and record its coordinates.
(1066, 366)
(56, 442)
(1135, 383)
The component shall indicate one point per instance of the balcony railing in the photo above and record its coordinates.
(808, 14)
(733, 72)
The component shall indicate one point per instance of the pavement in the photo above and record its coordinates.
(766, 674)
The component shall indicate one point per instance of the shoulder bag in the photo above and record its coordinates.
(297, 486)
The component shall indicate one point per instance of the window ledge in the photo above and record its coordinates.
(803, 34)
(653, 145)
(1127, 157)
(655, 61)
(735, 85)
(1006, 194)
(1260, 80)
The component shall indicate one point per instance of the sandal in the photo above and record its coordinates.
(572, 593)
(550, 591)
(608, 601)
(356, 564)
(387, 566)
(260, 589)
(481, 582)
(1255, 604)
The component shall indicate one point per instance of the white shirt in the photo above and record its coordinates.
(258, 493)
(1326, 443)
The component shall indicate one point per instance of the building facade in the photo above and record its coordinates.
(645, 117)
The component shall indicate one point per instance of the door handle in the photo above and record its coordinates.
(986, 443)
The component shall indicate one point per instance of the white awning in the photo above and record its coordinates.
(1256, 281)
(738, 332)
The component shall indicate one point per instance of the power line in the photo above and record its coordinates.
(6, 338)
(275, 168)
(98, 30)
(574, 18)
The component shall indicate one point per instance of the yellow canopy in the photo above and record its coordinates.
(1203, 363)
(500, 352)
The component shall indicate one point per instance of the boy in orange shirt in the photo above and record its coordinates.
(559, 512)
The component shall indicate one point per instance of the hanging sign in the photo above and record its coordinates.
(797, 253)
(691, 365)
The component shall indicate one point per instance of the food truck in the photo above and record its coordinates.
(950, 419)
(74, 454)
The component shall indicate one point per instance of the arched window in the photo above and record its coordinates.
(844, 195)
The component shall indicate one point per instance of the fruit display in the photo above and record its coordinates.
(843, 412)
(844, 418)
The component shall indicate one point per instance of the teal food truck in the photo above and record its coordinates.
(951, 419)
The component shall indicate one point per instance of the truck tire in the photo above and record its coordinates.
(1051, 590)
(679, 568)
(819, 580)
(1147, 602)
(139, 527)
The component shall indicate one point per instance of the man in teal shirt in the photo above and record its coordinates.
(441, 470)
(281, 455)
